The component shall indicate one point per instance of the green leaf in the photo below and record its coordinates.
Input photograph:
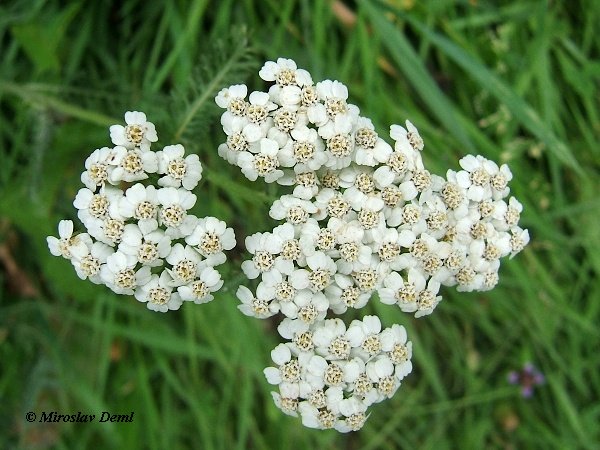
(42, 41)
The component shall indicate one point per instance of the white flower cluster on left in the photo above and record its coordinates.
(134, 227)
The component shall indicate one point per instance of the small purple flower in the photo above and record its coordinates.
(528, 377)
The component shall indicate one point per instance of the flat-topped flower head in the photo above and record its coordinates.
(364, 217)
(331, 381)
(137, 133)
(135, 230)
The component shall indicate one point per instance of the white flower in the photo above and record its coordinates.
(306, 151)
(233, 99)
(148, 245)
(173, 212)
(431, 262)
(506, 216)
(285, 120)
(135, 165)
(404, 293)
(343, 294)
(312, 237)
(138, 132)
(68, 246)
(330, 340)
(339, 149)
(312, 417)
(394, 171)
(120, 275)
(210, 238)
(257, 113)
(412, 218)
(307, 306)
(96, 206)
(518, 240)
(289, 369)
(141, 203)
(476, 176)
(365, 334)
(353, 255)
(371, 150)
(291, 329)
(87, 266)
(158, 294)
(264, 247)
(306, 184)
(329, 202)
(294, 210)
(285, 72)
(499, 182)
(287, 401)
(100, 164)
(200, 290)
(334, 115)
(380, 367)
(334, 373)
(264, 164)
(110, 228)
(369, 211)
(394, 342)
(388, 244)
(322, 269)
(186, 264)
(178, 171)
(238, 140)
(471, 227)
(260, 306)
(291, 250)
(354, 412)
(408, 137)
(288, 96)
(428, 298)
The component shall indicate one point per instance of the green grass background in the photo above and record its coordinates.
(517, 82)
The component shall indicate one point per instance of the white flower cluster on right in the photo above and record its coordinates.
(364, 217)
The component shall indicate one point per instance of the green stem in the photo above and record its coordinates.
(38, 98)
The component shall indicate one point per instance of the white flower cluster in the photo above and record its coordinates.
(133, 227)
(330, 375)
(364, 216)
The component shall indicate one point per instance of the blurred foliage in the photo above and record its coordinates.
(517, 82)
